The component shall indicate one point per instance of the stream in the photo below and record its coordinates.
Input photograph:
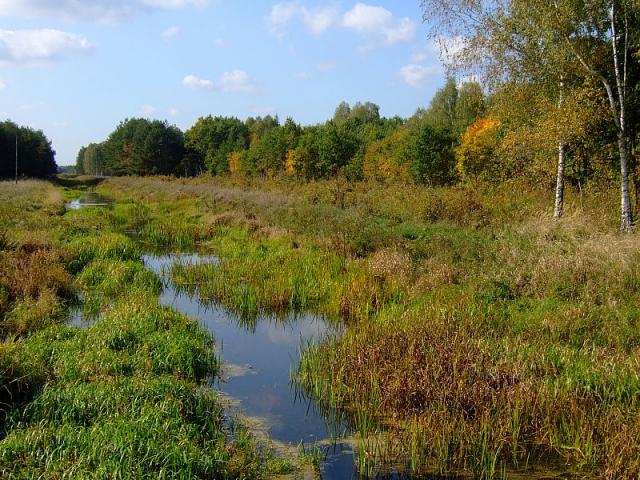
(257, 366)
(257, 363)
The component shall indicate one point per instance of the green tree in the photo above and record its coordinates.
(36, 157)
(138, 147)
(213, 139)
(431, 158)
(552, 42)
(80, 161)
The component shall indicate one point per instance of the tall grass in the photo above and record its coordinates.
(274, 276)
(482, 336)
(126, 397)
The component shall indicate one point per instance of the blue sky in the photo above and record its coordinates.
(75, 68)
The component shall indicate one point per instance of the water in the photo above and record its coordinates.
(257, 365)
(90, 199)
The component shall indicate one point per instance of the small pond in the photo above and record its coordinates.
(90, 199)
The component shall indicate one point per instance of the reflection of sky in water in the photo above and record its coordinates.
(271, 352)
(90, 199)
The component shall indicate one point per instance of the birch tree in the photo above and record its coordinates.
(603, 35)
(506, 39)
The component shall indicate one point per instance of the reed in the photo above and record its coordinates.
(480, 336)
(125, 397)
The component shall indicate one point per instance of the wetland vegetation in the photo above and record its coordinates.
(483, 338)
(125, 397)
(449, 295)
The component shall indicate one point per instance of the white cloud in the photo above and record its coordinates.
(379, 22)
(280, 16)
(105, 11)
(417, 75)
(237, 81)
(316, 20)
(303, 75)
(320, 19)
(32, 47)
(325, 67)
(148, 111)
(375, 22)
(421, 56)
(173, 112)
(2, 85)
(196, 83)
(171, 32)
(220, 42)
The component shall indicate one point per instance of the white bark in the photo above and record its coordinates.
(618, 107)
(626, 214)
(562, 149)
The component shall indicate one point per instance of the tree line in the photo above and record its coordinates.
(465, 134)
(356, 142)
(559, 104)
(36, 157)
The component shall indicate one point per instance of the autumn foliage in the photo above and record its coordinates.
(475, 156)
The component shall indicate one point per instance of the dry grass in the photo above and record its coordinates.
(482, 334)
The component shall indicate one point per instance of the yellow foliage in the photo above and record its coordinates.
(475, 155)
(386, 159)
(291, 162)
(235, 163)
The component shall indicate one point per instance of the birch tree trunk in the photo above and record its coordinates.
(626, 213)
(562, 149)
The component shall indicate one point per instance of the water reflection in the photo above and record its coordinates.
(259, 358)
(90, 199)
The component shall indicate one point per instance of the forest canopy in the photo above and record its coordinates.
(36, 158)
(356, 142)
(466, 134)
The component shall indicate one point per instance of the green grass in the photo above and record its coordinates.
(126, 397)
(481, 336)
(275, 276)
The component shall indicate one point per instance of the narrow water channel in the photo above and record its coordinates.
(257, 365)
(89, 199)
(258, 361)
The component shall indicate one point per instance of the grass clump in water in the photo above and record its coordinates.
(276, 276)
(114, 246)
(122, 399)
